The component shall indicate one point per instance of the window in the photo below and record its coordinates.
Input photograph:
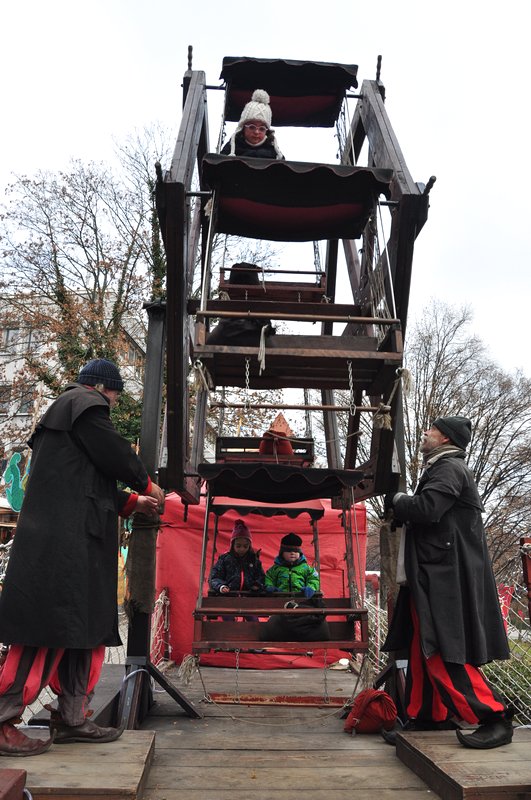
(25, 402)
(135, 359)
(17, 340)
(9, 338)
(5, 398)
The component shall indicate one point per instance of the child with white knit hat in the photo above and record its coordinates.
(253, 137)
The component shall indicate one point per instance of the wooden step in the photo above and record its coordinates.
(90, 771)
(460, 773)
(12, 783)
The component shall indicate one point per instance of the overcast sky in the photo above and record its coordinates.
(457, 79)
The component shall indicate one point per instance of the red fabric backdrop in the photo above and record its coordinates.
(179, 558)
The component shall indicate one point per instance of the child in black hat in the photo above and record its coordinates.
(290, 571)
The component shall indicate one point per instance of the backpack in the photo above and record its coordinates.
(242, 331)
(302, 628)
(371, 711)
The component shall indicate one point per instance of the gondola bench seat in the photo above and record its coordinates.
(216, 626)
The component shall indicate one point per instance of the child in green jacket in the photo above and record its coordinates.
(290, 571)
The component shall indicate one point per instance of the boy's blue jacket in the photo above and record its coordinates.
(292, 577)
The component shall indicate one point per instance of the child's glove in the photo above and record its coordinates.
(271, 588)
(308, 592)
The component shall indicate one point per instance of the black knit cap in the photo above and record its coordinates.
(290, 542)
(458, 429)
(101, 370)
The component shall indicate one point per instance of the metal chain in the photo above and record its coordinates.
(351, 401)
(206, 695)
(237, 676)
(325, 676)
(247, 398)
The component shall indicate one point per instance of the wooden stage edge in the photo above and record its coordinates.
(455, 772)
(91, 771)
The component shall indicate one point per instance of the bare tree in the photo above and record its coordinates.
(81, 252)
(453, 375)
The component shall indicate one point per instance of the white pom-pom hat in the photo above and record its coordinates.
(258, 108)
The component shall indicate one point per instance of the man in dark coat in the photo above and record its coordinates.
(447, 613)
(58, 606)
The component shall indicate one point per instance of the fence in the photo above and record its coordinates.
(512, 677)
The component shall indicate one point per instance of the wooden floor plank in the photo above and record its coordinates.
(275, 778)
(244, 758)
(263, 793)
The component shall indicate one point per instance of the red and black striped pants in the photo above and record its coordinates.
(71, 674)
(437, 690)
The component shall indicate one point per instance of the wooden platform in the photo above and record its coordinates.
(90, 771)
(267, 752)
(459, 773)
(243, 752)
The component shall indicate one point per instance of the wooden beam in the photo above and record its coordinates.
(383, 143)
(177, 341)
(270, 313)
(268, 307)
(191, 132)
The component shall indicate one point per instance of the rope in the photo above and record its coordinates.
(189, 666)
(202, 379)
(382, 417)
(262, 349)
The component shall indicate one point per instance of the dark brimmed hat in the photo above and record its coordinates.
(101, 370)
(458, 429)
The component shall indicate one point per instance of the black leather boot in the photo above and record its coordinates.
(490, 734)
(88, 731)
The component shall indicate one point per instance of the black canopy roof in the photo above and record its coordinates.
(302, 93)
(293, 201)
(276, 483)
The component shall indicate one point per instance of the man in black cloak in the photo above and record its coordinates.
(58, 606)
(447, 614)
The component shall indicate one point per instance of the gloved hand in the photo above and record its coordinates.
(308, 592)
(270, 588)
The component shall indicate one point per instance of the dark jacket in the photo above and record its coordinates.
(239, 574)
(448, 569)
(61, 581)
(245, 150)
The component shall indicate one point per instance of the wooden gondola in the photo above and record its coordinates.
(271, 489)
